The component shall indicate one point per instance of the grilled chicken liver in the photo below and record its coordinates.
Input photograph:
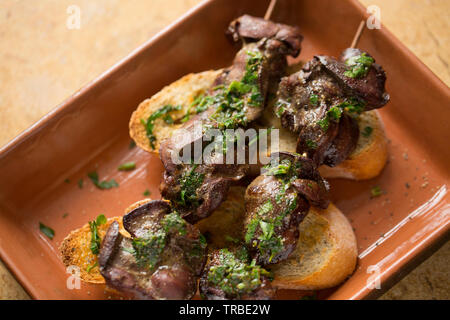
(237, 97)
(253, 28)
(163, 258)
(229, 274)
(276, 202)
(320, 103)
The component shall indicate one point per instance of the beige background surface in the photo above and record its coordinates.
(42, 62)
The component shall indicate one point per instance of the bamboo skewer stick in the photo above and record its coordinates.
(356, 38)
(358, 34)
(270, 9)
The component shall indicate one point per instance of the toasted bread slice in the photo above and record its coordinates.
(226, 223)
(75, 251)
(325, 255)
(179, 93)
(137, 204)
(370, 154)
(75, 248)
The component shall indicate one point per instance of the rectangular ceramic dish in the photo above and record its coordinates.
(90, 131)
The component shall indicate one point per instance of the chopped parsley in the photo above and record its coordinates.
(102, 184)
(80, 183)
(149, 124)
(251, 230)
(352, 105)
(335, 112)
(376, 192)
(89, 268)
(173, 221)
(280, 108)
(358, 66)
(267, 229)
(367, 132)
(200, 104)
(146, 192)
(285, 171)
(283, 168)
(261, 230)
(314, 99)
(168, 119)
(266, 208)
(49, 232)
(127, 166)
(189, 183)
(95, 238)
(232, 239)
(269, 243)
(234, 275)
(147, 250)
(311, 144)
(233, 98)
(132, 144)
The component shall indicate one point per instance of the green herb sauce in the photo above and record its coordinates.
(200, 104)
(234, 274)
(314, 99)
(351, 106)
(149, 124)
(311, 144)
(147, 250)
(232, 100)
(189, 183)
(334, 114)
(95, 238)
(267, 242)
(358, 66)
(173, 221)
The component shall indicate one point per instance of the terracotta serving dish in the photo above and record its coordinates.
(90, 131)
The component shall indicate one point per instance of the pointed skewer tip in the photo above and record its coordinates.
(358, 34)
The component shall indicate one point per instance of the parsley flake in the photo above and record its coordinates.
(102, 184)
(49, 232)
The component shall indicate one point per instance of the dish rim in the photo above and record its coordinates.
(57, 111)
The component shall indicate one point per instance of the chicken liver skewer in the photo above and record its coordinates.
(237, 98)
